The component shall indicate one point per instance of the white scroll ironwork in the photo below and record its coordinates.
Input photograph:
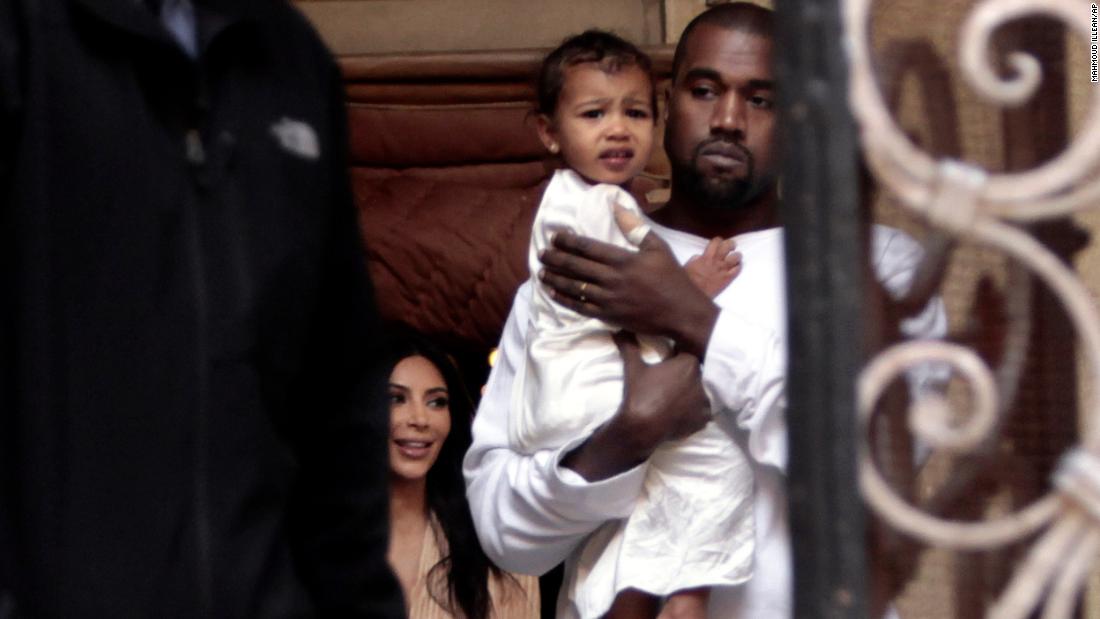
(983, 208)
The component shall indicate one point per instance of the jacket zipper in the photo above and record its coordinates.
(195, 153)
(202, 465)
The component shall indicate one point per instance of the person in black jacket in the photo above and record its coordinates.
(185, 320)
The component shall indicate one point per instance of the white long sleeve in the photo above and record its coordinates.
(692, 525)
(531, 513)
(572, 379)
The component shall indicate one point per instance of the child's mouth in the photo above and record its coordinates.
(617, 158)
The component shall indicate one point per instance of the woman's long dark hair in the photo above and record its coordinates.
(465, 570)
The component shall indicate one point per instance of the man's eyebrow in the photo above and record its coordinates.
(703, 73)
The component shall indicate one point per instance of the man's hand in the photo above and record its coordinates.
(645, 291)
(661, 402)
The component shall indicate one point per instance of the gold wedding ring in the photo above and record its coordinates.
(581, 291)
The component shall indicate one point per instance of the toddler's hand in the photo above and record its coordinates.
(632, 226)
(715, 268)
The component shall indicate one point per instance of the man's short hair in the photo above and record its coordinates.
(740, 16)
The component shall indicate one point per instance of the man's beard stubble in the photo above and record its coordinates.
(728, 194)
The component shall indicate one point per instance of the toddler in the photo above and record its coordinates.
(692, 527)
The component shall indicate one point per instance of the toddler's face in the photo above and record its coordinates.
(604, 123)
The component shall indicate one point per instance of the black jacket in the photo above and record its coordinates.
(186, 323)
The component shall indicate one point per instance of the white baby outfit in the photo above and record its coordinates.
(693, 524)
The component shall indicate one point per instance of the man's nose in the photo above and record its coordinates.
(730, 115)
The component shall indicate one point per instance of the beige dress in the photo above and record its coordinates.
(514, 596)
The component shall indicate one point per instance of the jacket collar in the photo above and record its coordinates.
(133, 17)
(127, 15)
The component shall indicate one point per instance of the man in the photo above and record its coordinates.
(191, 424)
(534, 511)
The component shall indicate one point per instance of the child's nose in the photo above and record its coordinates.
(618, 128)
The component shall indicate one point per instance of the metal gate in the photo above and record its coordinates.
(976, 121)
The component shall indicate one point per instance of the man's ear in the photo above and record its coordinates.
(545, 128)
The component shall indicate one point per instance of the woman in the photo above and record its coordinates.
(433, 548)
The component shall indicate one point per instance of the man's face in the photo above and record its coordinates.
(721, 118)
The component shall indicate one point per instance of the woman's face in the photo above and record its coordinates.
(420, 417)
